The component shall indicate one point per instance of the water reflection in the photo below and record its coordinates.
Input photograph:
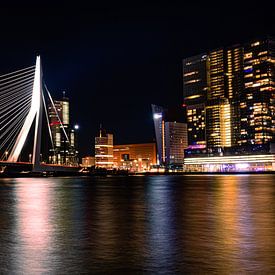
(191, 224)
(162, 226)
(118, 226)
(234, 227)
(34, 226)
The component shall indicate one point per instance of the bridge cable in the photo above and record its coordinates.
(48, 123)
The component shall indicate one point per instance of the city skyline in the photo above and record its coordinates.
(120, 56)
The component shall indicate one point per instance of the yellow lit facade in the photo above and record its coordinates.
(225, 125)
(225, 86)
(258, 99)
(239, 106)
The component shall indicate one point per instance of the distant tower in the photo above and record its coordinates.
(104, 149)
(64, 152)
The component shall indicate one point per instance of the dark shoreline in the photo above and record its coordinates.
(78, 174)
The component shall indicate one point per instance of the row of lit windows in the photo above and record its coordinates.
(190, 73)
(192, 81)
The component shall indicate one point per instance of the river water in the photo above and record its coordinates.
(155, 224)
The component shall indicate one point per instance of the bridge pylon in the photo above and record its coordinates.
(35, 114)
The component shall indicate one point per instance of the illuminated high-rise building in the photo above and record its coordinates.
(225, 87)
(257, 102)
(104, 157)
(64, 138)
(240, 102)
(195, 87)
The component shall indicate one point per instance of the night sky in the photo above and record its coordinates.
(114, 60)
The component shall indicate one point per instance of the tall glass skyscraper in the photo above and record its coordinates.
(239, 104)
(257, 101)
(195, 87)
(225, 86)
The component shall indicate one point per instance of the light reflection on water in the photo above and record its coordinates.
(33, 225)
(165, 224)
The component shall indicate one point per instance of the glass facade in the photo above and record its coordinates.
(257, 101)
(195, 87)
(225, 87)
(240, 102)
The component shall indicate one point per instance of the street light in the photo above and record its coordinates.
(6, 153)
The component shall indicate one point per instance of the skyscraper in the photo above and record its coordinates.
(195, 87)
(225, 86)
(257, 102)
(240, 101)
(64, 141)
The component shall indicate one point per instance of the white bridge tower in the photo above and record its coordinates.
(35, 113)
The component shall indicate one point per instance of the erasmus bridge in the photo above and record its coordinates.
(22, 101)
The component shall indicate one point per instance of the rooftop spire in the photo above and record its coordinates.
(100, 130)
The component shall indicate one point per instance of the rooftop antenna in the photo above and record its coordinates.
(64, 94)
(100, 130)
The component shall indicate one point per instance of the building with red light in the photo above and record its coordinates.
(64, 140)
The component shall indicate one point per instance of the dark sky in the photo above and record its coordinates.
(115, 59)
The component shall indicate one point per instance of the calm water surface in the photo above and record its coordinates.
(158, 224)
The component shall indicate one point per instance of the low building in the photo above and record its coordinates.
(244, 163)
(135, 157)
(88, 162)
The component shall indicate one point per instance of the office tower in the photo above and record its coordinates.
(195, 87)
(176, 141)
(171, 135)
(235, 84)
(104, 150)
(257, 102)
(135, 157)
(64, 140)
(222, 107)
